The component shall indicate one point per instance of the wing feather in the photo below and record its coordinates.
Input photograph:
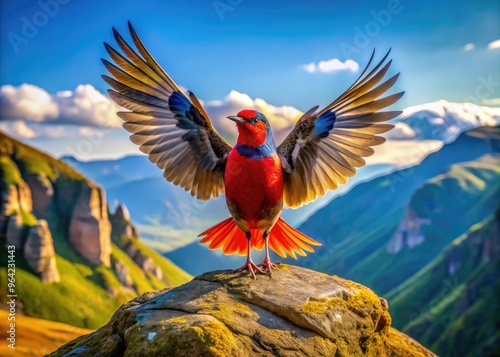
(326, 147)
(171, 128)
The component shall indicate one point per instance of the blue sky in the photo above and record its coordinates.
(259, 47)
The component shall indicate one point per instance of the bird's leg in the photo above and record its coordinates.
(267, 264)
(249, 263)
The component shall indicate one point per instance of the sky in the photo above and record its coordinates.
(282, 56)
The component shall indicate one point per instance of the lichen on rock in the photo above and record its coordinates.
(298, 312)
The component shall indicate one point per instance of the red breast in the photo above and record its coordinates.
(253, 185)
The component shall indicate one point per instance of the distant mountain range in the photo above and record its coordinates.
(170, 218)
(373, 211)
(76, 262)
(442, 120)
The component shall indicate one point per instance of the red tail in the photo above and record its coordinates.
(283, 239)
(286, 239)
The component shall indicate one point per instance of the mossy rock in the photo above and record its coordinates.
(298, 312)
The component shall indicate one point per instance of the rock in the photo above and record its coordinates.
(14, 198)
(42, 193)
(90, 229)
(15, 231)
(123, 274)
(39, 252)
(122, 225)
(145, 262)
(122, 213)
(409, 233)
(298, 312)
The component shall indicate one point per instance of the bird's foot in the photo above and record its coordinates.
(268, 266)
(250, 266)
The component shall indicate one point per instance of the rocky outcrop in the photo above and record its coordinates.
(13, 199)
(145, 262)
(90, 229)
(298, 312)
(123, 274)
(121, 223)
(42, 193)
(409, 233)
(15, 231)
(39, 252)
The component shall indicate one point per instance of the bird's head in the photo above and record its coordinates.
(253, 128)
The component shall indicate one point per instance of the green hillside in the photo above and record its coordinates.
(87, 294)
(361, 222)
(450, 305)
(448, 205)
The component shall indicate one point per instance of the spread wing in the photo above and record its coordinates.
(326, 147)
(172, 128)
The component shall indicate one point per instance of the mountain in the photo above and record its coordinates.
(345, 245)
(374, 210)
(441, 120)
(441, 209)
(168, 216)
(449, 305)
(306, 313)
(67, 245)
(110, 173)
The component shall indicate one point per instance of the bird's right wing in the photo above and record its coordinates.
(172, 128)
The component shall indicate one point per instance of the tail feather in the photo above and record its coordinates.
(286, 239)
(283, 239)
(230, 239)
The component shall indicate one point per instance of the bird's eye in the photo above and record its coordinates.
(255, 120)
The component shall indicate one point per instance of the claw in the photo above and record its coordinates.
(251, 267)
(268, 265)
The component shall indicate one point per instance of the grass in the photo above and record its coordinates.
(32, 161)
(172, 274)
(77, 300)
(36, 337)
(86, 296)
(9, 171)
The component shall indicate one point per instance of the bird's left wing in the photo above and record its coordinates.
(325, 148)
(172, 128)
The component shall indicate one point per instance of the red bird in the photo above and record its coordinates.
(322, 151)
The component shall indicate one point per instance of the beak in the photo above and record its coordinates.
(236, 119)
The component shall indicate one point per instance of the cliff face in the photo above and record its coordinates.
(47, 189)
(90, 229)
(66, 247)
(40, 254)
(298, 312)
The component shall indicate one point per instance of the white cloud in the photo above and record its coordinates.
(17, 129)
(30, 130)
(494, 44)
(282, 118)
(83, 106)
(469, 47)
(331, 66)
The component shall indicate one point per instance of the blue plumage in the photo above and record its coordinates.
(257, 153)
(324, 123)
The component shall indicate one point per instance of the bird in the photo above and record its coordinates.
(259, 178)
